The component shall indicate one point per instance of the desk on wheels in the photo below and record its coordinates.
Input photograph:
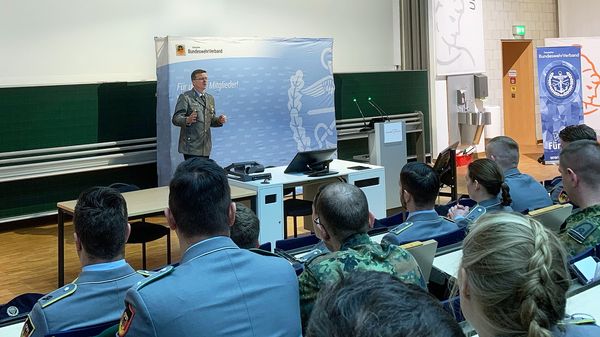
(139, 203)
(269, 195)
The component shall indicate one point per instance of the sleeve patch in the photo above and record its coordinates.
(28, 327)
(126, 320)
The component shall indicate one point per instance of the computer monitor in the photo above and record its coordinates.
(443, 164)
(307, 161)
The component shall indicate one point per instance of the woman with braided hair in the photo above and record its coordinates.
(513, 279)
(485, 181)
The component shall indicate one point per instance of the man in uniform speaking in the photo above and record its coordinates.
(195, 115)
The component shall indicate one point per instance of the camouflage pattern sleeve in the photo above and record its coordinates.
(309, 288)
(582, 230)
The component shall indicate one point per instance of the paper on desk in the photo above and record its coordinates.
(589, 268)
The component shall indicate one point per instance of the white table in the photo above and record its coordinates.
(586, 302)
(269, 196)
(11, 330)
(448, 263)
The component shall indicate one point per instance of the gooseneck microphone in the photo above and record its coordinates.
(365, 128)
(379, 110)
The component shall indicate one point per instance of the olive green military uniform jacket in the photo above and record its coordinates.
(195, 139)
(358, 252)
(582, 230)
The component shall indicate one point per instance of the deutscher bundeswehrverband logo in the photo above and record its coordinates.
(561, 81)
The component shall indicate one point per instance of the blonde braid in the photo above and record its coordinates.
(535, 320)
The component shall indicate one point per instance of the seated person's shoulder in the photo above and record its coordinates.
(152, 278)
(57, 296)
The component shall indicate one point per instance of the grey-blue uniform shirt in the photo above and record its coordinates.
(526, 193)
(493, 204)
(96, 296)
(217, 290)
(420, 226)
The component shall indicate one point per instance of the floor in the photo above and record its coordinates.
(29, 254)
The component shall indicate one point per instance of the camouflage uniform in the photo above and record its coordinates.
(358, 252)
(582, 230)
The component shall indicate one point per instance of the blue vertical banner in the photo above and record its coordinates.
(277, 94)
(559, 75)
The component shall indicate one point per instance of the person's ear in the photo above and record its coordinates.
(170, 219)
(371, 220)
(231, 213)
(573, 177)
(78, 245)
(323, 234)
(476, 185)
(127, 231)
(407, 196)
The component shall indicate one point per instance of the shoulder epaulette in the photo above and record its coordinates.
(581, 231)
(155, 276)
(145, 273)
(314, 255)
(400, 228)
(475, 213)
(58, 294)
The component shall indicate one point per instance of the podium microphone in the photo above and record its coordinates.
(379, 110)
(366, 128)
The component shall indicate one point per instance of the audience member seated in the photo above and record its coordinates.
(485, 182)
(376, 304)
(526, 192)
(513, 279)
(568, 135)
(97, 295)
(218, 289)
(419, 187)
(246, 227)
(342, 221)
(580, 171)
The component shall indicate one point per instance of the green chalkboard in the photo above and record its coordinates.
(396, 92)
(53, 116)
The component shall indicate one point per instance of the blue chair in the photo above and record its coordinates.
(18, 308)
(452, 306)
(265, 246)
(390, 221)
(87, 331)
(295, 243)
(450, 238)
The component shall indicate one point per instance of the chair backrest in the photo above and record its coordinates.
(265, 246)
(552, 217)
(295, 243)
(450, 238)
(17, 308)
(423, 252)
(87, 331)
(390, 221)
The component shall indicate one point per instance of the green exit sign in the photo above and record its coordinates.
(518, 30)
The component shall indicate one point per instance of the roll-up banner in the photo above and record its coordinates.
(277, 94)
(559, 75)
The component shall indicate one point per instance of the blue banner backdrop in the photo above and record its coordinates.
(559, 75)
(278, 95)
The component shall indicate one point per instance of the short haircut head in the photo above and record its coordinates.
(100, 221)
(574, 133)
(505, 151)
(246, 228)
(583, 157)
(343, 209)
(199, 198)
(197, 72)
(377, 304)
(421, 181)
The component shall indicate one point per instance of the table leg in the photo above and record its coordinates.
(61, 248)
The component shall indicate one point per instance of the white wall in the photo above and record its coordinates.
(578, 18)
(87, 41)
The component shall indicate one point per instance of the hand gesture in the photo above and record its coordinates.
(458, 210)
(222, 119)
(192, 118)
